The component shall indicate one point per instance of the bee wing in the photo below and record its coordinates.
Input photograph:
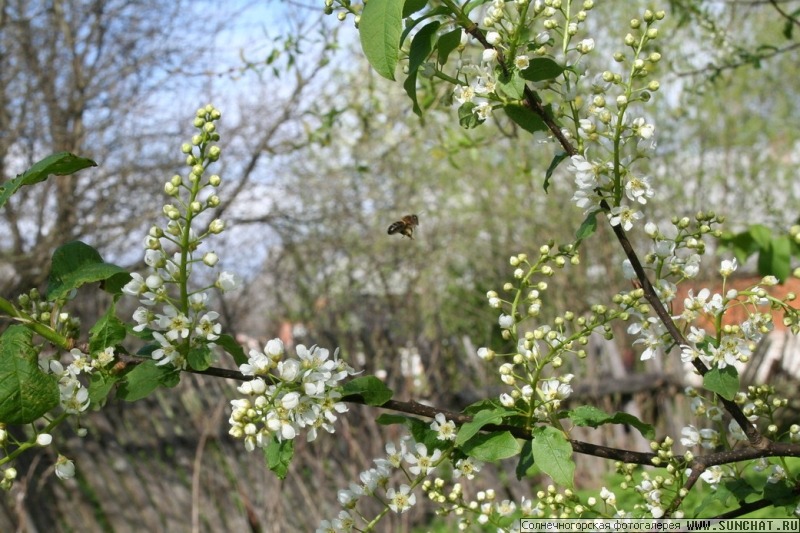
(394, 227)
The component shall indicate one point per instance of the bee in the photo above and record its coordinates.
(404, 226)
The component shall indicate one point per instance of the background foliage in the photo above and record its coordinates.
(323, 156)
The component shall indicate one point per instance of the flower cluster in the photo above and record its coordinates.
(177, 316)
(478, 91)
(675, 259)
(608, 142)
(74, 400)
(49, 312)
(287, 395)
(74, 395)
(533, 392)
(415, 462)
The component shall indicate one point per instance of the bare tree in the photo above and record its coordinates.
(80, 76)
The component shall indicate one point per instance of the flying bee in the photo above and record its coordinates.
(404, 226)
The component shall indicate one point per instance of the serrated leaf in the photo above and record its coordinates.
(200, 357)
(419, 429)
(776, 259)
(115, 283)
(512, 86)
(26, 393)
(588, 227)
(588, 415)
(379, 29)
(541, 69)
(412, 6)
(553, 455)
(145, 378)
(470, 429)
(526, 464)
(740, 488)
(410, 87)
(386, 419)
(108, 331)
(75, 264)
(780, 493)
(557, 159)
(467, 118)
(100, 386)
(233, 348)
(59, 164)
(411, 23)
(525, 118)
(489, 447)
(421, 48)
(371, 389)
(472, 4)
(761, 234)
(422, 45)
(278, 455)
(724, 381)
(715, 499)
(447, 43)
(480, 405)
(742, 245)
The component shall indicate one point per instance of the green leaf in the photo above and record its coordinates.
(525, 118)
(60, 164)
(379, 29)
(100, 386)
(472, 4)
(557, 159)
(541, 69)
(420, 430)
(412, 6)
(526, 465)
(421, 48)
(740, 488)
(553, 454)
(422, 45)
(780, 493)
(467, 118)
(489, 447)
(447, 43)
(761, 234)
(115, 283)
(588, 415)
(278, 455)
(410, 23)
(235, 349)
(480, 405)
(108, 331)
(470, 429)
(386, 419)
(743, 245)
(791, 20)
(512, 86)
(776, 258)
(200, 357)
(75, 264)
(724, 382)
(588, 227)
(410, 86)
(145, 378)
(715, 499)
(371, 389)
(26, 393)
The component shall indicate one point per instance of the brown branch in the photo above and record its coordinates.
(701, 463)
(784, 14)
(766, 448)
(534, 103)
